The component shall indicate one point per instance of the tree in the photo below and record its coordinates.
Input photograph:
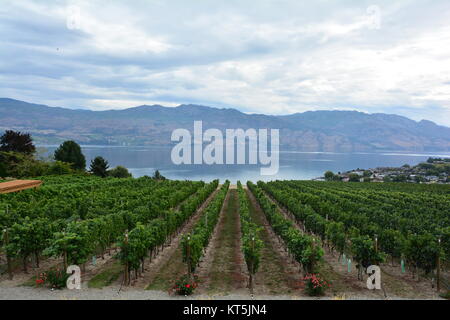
(99, 167)
(119, 172)
(16, 141)
(329, 176)
(419, 179)
(158, 176)
(400, 178)
(3, 172)
(353, 177)
(70, 152)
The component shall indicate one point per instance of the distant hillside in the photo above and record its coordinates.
(332, 131)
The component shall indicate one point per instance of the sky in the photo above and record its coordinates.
(272, 57)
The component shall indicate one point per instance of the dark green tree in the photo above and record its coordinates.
(329, 176)
(158, 176)
(400, 178)
(70, 152)
(119, 172)
(3, 168)
(16, 141)
(353, 177)
(99, 167)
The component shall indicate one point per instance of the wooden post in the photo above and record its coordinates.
(376, 243)
(438, 268)
(126, 276)
(188, 256)
(8, 259)
(251, 268)
(65, 253)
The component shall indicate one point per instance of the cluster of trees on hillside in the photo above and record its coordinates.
(18, 159)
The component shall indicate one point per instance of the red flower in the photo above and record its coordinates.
(188, 286)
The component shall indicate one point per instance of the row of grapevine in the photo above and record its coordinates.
(359, 226)
(194, 243)
(76, 221)
(144, 239)
(302, 247)
(251, 242)
(395, 224)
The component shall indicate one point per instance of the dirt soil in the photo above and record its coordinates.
(162, 272)
(278, 273)
(223, 269)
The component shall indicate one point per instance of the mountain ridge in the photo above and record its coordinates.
(322, 130)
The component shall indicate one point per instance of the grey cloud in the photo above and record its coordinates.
(268, 57)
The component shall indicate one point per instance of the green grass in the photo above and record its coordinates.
(272, 270)
(107, 276)
(222, 264)
(30, 282)
(446, 295)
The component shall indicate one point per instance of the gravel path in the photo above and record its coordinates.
(111, 293)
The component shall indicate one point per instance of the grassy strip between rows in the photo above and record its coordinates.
(107, 276)
(175, 266)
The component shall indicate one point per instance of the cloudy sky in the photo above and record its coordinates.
(273, 57)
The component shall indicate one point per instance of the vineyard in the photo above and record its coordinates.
(287, 238)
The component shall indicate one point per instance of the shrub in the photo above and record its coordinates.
(353, 177)
(315, 285)
(3, 172)
(119, 172)
(55, 279)
(59, 168)
(185, 286)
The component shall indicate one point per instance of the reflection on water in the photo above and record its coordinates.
(293, 165)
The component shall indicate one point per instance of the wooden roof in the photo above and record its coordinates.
(18, 185)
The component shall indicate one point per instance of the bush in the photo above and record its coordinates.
(59, 168)
(56, 279)
(20, 165)
(329, 176)
(445, 295)
(315, 285)
(3, 172)
(119, 172)
(185, 286)
(29, 167)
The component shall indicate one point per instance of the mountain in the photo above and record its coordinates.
(329, 131)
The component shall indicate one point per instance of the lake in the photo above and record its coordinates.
(293, 165)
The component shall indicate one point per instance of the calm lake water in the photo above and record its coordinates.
(293, 165)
